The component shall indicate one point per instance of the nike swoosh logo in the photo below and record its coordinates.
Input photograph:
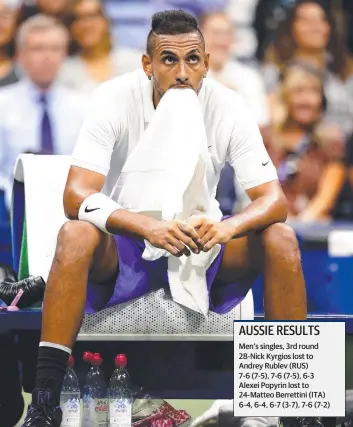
(264, 164)
(90, 210)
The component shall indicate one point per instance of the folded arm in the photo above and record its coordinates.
(82, 183)
(268, 207)
(91, 159)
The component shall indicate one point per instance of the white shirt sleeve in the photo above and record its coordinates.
(246, 152)
(100, 131)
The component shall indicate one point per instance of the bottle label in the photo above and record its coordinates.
(71, 413)
(95, 412)
(120, 412)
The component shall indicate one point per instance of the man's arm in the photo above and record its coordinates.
(172, 236)
(90, 164)
(82, 183)
(258, 177)
(268, 206)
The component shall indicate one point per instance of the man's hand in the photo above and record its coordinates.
(211, 232)
(176, 237)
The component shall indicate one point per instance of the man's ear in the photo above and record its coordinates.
(147, 65)
(207, 62)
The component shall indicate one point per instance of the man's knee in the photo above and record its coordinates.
(78, 239)
(280, 239)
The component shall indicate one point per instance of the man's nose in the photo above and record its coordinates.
(182, 76)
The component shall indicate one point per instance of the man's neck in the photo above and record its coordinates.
(42, 87)
(314, 57)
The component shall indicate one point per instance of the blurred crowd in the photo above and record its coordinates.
(290, 60)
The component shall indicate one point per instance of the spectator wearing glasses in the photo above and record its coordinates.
(97, 60)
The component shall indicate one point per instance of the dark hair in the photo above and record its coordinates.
(172, 22)
(284, 45)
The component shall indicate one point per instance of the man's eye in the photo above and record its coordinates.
(168, 60)
(194, 59)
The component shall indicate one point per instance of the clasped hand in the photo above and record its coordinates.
(180, 238)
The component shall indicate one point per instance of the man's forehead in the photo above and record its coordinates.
(189, 41)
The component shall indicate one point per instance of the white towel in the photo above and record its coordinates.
(165, 177)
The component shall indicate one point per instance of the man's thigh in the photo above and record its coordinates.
(242, 258)
(105, 263)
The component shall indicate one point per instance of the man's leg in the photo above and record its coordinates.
(275, 253)
(82, 250)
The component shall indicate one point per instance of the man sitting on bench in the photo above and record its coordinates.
(92, 246)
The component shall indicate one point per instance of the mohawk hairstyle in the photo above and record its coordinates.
(172, 22)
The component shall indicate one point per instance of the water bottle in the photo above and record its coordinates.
(70, 398)
(87, 357)
(120, 395)
(95, 404)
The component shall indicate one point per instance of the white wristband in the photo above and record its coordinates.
(96, 209)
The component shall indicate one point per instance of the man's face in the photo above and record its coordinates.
(178, 61)
(42, 55)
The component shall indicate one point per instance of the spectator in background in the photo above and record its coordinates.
(311, 168)
(59, 9)
(131, 19)
(218, 31)
(8, 72)
(56, 8)
(97, 60)
(37, 113)
(309, 34)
